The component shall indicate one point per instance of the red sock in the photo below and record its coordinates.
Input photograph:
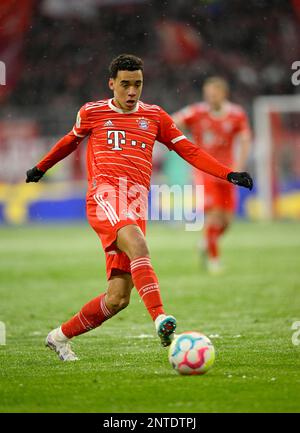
(146, 283)
(212, 239)
(89, 317)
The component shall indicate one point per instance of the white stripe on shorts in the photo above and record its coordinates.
(108, 209)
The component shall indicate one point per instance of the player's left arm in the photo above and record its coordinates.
(175, 140)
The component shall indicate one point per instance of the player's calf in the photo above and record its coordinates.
(118, 292)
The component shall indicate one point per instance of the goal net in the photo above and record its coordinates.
(277, 156)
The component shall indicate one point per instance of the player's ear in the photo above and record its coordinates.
(111, 83)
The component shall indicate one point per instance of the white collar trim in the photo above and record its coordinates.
(119, 110)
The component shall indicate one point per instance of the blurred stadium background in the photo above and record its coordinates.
(56, 55)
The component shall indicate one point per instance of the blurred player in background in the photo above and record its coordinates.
(122, 131)
(215, 124)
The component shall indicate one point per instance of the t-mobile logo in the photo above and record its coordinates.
(2, 74)
(118, 138)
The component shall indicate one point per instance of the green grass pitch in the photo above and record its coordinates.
(47, 273)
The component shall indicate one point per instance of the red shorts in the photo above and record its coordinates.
(218, 193)
(107, 215)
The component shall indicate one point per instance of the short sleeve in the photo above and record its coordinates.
(82, 125)
(168, 133)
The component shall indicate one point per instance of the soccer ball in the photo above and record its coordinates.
(191, 353)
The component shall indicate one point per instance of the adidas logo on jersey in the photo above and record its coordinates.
(108, 123)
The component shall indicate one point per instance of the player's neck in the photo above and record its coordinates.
(117, 104)
(219, 110)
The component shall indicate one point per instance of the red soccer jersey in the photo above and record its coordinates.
(121, 143)
(215, 134)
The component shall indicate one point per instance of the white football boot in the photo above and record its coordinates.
(58, 342)
(165, 327)
(215, 267)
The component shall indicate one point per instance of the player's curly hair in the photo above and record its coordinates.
(125, 62)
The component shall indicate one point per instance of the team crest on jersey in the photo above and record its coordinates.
(143, 123)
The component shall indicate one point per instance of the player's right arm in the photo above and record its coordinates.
(62, 148)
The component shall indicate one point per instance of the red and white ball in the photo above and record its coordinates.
(191, 353)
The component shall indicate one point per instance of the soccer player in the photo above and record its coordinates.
(122, 131)
(215, 124)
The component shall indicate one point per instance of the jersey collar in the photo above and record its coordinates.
(119, 110)
(225, 111)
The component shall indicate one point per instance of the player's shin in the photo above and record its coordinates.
(212, 234)
(146, 283)
(92, 315)
(212, 237)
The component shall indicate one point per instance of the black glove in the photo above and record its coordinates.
(34, 175)
(241, 179)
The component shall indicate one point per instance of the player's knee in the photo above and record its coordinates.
(217, 220)
(117, 303)
(123, 303)
(225, 225)
(139, 249)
